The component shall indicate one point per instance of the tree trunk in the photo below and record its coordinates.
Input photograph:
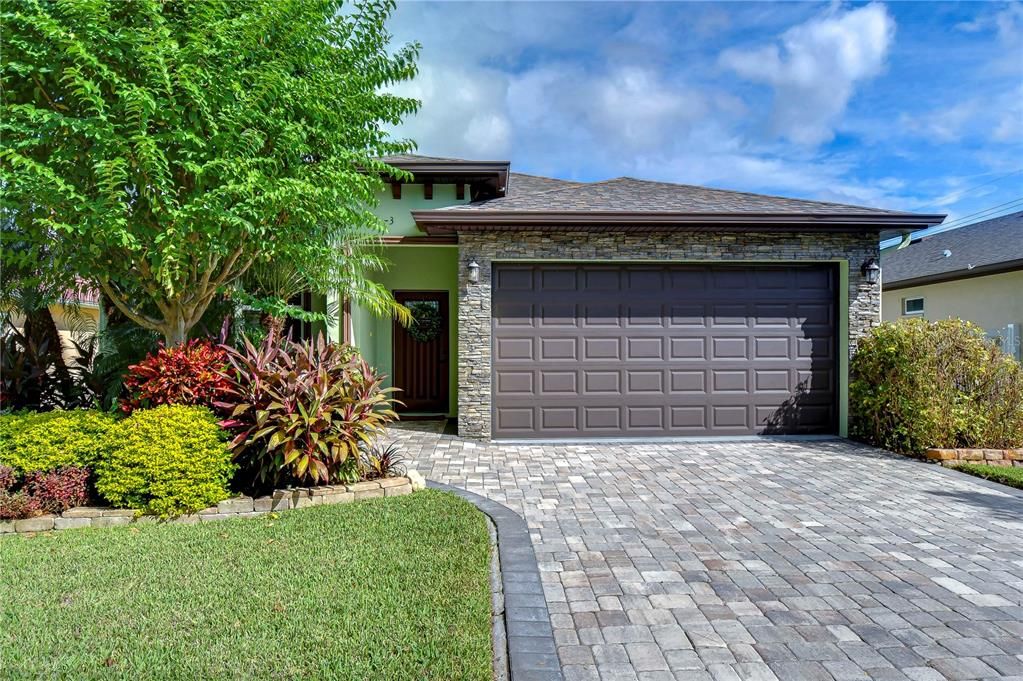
(175, 333)
(275, 325)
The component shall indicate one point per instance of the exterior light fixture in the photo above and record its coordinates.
(871, 271)
(474, 272)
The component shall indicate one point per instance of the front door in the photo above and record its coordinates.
(421, 353)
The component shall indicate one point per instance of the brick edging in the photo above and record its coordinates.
(235, 507)
(532, 654)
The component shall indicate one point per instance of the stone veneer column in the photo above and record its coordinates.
(474, 314)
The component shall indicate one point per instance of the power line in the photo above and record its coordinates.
(981, 214)
(963, 192)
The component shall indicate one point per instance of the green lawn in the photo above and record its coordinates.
(1013, 477)
(384, 589)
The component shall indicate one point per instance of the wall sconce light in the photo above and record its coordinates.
(871, 271)
(474, 272)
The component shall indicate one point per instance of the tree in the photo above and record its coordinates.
(162, 148)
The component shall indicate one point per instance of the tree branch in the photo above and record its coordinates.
(140, 319)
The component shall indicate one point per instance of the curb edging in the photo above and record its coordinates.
(531, 651)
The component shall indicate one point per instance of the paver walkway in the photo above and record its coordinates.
(752, 560)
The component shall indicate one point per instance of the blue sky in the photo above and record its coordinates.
(912, 106)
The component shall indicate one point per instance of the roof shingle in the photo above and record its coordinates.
(982, 244)
(628, 194)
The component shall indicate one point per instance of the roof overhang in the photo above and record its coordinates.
(453, 221)
(954, 275)
(488, 178)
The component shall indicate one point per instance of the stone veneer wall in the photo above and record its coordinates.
(474, 323)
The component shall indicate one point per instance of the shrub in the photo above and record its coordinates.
(189, 374)
(47, 441)
(165, 461)
(298, 411)
(382, 461)
(17, 505)
(57, 491)
(8, 478)
(918, 384)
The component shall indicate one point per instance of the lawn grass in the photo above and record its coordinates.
(391, 588)
(1013, 477)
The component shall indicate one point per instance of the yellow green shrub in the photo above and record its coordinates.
(918, 384)
(45, 441)
(166, 461)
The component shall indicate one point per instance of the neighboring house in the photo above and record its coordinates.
(973, 272)
(76, 320)
(623, 308)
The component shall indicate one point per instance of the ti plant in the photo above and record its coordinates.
(299, 411)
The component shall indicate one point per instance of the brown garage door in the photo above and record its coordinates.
(595, 351)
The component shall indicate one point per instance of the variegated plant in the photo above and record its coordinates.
(297, 411)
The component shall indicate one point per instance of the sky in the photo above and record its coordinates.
(903, 105)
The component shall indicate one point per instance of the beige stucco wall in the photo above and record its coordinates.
(990, 302)
(71, 326)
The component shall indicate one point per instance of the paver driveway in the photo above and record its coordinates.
(753, 560)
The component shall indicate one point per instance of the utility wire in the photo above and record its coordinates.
(960, 194)
(985, 214)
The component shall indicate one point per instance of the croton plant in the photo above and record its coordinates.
(299, 412)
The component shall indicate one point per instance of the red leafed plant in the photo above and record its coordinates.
(189, 374)
(57, 491)
(298, 411)
(8, 478)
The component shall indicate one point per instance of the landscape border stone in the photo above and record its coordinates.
(531, 651)
(235, 507)
(989, 457)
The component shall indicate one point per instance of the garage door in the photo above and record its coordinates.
(598, 351)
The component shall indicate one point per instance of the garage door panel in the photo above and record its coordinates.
(554, 314)
(558, 383)
(559, 418)
(517, 420)
(561, 349)
(512, 348)
(729, 381)
(644, 348)
(692, 382)
(606, 419)
(672, 350)
(724, 348)
(601, 314)
(555, 279)
(513, 313)
(514, 382)
(602, 278)
(598, 349)
(602, 382)
(687, 349)
(649, 382)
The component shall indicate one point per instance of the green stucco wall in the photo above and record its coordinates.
(433, 268)
(396, 213)
(423, 268)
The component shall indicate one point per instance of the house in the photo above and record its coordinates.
(621, 309)
(973, 272)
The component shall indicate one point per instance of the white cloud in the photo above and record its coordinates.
(816, 67)
(462, 112)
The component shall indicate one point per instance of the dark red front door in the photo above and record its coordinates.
(421, 353)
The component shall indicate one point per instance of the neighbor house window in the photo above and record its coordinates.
(912, 306)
